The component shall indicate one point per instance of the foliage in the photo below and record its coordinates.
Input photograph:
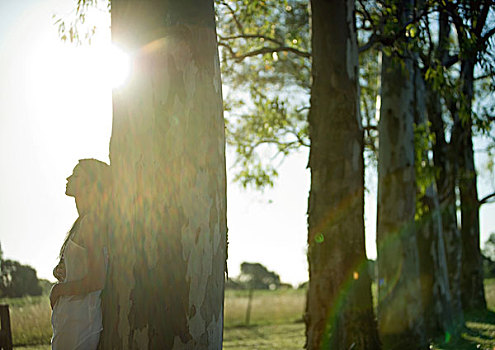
(425, 170)
(266, 71)
(80, 27)
(255, 276)
(489, 247)
(18, 280)
(488, 252)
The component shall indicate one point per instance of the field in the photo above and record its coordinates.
(275, 322)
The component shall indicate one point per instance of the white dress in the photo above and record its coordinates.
(77, 319)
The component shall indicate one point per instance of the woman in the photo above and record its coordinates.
(75, 300)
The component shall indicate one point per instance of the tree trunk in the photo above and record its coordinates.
(472, 290)
(165, 283)
(445, 166)
(339, 312)
(437, 300)
(444, 160)
(400, 308)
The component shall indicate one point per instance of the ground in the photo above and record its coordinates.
(275, 323)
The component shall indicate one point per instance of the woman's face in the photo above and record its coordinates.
(76, 182)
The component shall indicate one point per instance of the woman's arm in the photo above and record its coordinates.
(59, 271)
(91, 234)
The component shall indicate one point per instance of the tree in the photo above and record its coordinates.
(265, 55)
(469, 19)
(444, 156)
(167, 247)
(489, 247)
(435, 287)
(400, 308)
(257, 276)
(339, 312)
(17, 280)
(489, 257)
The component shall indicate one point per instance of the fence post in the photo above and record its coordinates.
(5, 331)
(248, 310)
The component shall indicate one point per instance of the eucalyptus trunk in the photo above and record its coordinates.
(339, 312)
(165, 283)
(400, 308)
(444, 160)
(472, 289)
(445, 171)
(437, 300)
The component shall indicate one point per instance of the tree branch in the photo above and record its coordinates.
(480, 23)
(486, 199)
(372, 41)
(236, 20)
(266, 50)
(251, 36)
(449, 61)
(487, 35)
(484, 76)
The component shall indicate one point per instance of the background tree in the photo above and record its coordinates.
(168, 244)
(433, 268)
(469, 19)
(17, 280)
(265, 64)
(489, 257)
(435, 286)
(400, 308)
(339, 311)
(257, 276)
(436, 61)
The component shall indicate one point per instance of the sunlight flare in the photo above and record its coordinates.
(118, 66)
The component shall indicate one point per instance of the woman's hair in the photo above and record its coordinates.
(97, 172)
(98, 175)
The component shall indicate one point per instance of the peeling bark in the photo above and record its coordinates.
(436, 297)
(339, 313)
(444, 160)
(168, 246)
(400, 308)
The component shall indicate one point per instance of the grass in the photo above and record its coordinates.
(276, 322)
(268, 307)
(30, 320)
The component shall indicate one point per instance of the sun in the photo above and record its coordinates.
(119, 66)
(109, 63)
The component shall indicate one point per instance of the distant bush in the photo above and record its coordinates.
(303, 285)
(45, 285)
(489, 257)
(17, 280)
(233, 284)
(255, 276)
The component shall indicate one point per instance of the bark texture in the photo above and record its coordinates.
(339, 313)
(444, 160)
(400, 308)
(445, 166)
(167, 250)
(472, 288)
(436, 297)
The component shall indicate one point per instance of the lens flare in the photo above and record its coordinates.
(119, 66)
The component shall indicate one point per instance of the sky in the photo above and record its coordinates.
(55, 108)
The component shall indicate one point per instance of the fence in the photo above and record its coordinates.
(5, 331)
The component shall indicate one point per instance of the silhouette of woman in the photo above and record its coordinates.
(75, 300)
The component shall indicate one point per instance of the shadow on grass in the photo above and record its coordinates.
(478, 333)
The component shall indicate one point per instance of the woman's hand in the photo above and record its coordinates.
(59, 271)
(55, 293)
